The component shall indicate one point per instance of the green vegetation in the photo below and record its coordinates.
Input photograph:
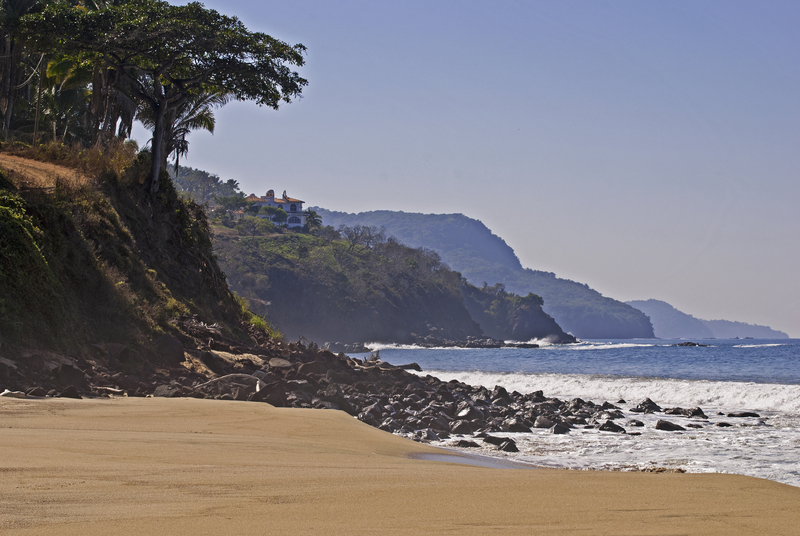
(90, 262)
(81, 74)
(355, 285)
(468, 246)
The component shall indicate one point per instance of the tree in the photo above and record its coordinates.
(196, 113)
(275, 214)
(313, 220)
(163, 56)
(11, 57)
(367, 236)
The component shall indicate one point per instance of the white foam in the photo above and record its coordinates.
(600, 346)
(670, 392)
(757, 345)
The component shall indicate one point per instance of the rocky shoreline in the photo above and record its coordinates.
(300, 375)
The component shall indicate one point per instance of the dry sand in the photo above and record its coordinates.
(192, 467)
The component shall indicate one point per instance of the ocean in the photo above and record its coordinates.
(761, 376)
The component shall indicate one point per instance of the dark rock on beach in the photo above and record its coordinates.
(668, 426)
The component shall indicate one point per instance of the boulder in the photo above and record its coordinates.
(668, 426)
(166, 391)
(169, 348)
(70, 392)
(558, 428)
(610, 426)
(69, 375)
(516, 425)
(461, 427)
(741, 414)
(543, 422)
(646, 406)
(508, 446)
(465, 444)
(279, 363)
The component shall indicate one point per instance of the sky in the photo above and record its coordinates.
(647, 149)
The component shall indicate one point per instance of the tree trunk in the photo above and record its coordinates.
(157, 151)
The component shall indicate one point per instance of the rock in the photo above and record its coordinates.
(69, 375)
(274, 394)
(688, 343)
(426, 435)
(515, 425)
(543, 422)
(668, 426)
(215, 363)
(610, 426)
(636, 423)
(492, 440)
(741, 414)
(279, 363)
(558, 428)
(461, 427)
(410, 366)
(169, 348)
(70, 392)
(691, 412)
(464, 444)
(696, 413)
(369, 418)
(166, 391)
(508, 446)
(36, 391)
(723, 424)
(646, 406)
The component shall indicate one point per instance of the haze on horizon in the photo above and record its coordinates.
(650, 150)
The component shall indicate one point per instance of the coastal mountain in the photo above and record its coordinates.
(328, 288)
(670, 323)
(469, 247)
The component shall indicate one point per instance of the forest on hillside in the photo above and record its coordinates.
(357, 285)
(469, 247)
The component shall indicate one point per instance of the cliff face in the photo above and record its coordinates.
(94, 262)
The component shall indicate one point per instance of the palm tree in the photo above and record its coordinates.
(196, 113)
(313, 220)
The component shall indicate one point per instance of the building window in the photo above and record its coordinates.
(294, 219)
(293, 208)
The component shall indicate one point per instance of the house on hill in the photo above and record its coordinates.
(293, 207)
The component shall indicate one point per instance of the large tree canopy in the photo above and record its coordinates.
(162, 56)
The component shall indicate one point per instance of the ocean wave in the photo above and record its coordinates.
(717, 395)
(757, 345)
(601, 346)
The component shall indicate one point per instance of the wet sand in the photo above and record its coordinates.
(191, 467)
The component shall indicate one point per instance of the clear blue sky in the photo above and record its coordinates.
(648, 149)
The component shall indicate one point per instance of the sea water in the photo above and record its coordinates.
(761, 376)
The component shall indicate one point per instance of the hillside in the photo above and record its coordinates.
(469, 247)
(670, 323)
(96, 277)
(328, 289)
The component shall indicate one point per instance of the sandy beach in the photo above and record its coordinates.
(185, 466)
